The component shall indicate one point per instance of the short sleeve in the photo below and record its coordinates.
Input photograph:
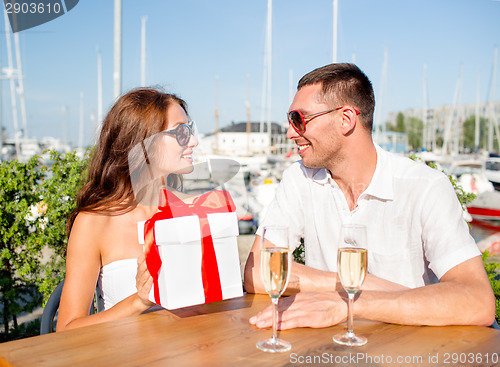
(285, 208)
(445, 233)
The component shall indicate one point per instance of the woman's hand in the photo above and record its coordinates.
(143, 280)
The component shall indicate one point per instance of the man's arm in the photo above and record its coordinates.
(306, 279)
(463, 297)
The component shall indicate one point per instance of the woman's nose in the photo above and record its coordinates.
(193, 142)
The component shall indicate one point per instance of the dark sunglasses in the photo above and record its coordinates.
(182, 133)
(298, 122)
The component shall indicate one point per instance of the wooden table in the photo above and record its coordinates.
(218, 334)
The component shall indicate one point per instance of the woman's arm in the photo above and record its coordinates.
(83, 263)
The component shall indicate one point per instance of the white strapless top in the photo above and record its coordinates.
(117, 281)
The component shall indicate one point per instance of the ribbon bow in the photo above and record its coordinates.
(211, 202)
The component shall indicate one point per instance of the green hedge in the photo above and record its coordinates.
(35, 200)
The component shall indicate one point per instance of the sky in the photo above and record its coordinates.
(192, 46)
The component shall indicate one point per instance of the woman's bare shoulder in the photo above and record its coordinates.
(88, 221)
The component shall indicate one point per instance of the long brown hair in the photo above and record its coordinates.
(134, 117)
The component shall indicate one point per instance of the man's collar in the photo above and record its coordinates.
(319, 175)
(380, 185)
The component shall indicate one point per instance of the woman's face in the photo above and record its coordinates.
(170, 156)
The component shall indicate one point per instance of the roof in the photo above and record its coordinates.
(241, 127)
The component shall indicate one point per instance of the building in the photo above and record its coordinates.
(392, 141)
(244, 139)
(447, 121)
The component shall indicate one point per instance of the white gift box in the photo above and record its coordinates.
(179, 245)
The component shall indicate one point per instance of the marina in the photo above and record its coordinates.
(215, 69)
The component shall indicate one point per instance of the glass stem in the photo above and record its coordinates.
(275, 318)
(349, 313)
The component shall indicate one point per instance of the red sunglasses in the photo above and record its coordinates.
(298, 122)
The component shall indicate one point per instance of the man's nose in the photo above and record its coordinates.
(291, 133)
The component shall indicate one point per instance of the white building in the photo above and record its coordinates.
(236, 139)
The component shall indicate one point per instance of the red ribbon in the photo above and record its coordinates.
(210, 202)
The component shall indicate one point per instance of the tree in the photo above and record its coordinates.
(469, 130)
(412, 126)
(400, 124)
(59, 192)
(414, 130)
(20, 223)
(35, 201)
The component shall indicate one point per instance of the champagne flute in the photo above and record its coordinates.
(275, 261)
(351, 269)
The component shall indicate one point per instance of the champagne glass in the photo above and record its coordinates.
(275, 258)
(351, 269)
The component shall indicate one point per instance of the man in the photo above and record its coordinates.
(424, 267)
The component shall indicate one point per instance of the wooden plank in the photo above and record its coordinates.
(219, 334)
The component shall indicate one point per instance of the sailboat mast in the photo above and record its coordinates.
(117, 57)
(143, 50)
(266, 75)
(269, 64)
(216, 135)
(477, 119)
(335, 26)
(80, 132)
(64, 125)
(99, 90)
(10, 75)
(458, 109)
(248, 114)
(379, 111)
(20, 86)
(491, 105)
(426, 129)
(450, 130)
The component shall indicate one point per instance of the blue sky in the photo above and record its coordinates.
(191, 42)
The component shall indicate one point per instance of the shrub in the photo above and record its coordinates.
(494, 277)
(35, 201)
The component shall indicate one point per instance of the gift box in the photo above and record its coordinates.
(197, 255)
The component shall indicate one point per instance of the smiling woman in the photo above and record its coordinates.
(145, 144)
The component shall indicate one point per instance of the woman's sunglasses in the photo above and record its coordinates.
(182, 133)
(298, 120)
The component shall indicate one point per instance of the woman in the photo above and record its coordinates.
(103, 246)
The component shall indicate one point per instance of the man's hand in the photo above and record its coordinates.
(315, 310)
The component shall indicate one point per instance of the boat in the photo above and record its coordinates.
(471, 175)
(490, 243)
(492, 171)
(486, 206)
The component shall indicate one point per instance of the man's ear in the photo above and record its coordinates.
(349, 120)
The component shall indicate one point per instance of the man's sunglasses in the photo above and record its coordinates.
(298, 120)
(182, 133)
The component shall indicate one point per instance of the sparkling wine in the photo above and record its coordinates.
(352, 263)
(274, 264)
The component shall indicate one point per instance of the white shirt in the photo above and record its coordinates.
(416, 232)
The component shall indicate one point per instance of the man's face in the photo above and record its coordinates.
(319, 145)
